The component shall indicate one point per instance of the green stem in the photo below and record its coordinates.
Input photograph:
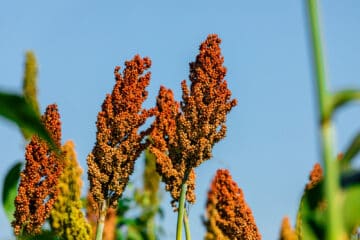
(181, 207)
(181, 212)
(187, 226)
(331, 178)
(101, 221)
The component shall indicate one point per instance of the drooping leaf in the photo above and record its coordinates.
(343, 97)
(10, 189)
(17, 110)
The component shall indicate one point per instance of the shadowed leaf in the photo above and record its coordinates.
(10, 189)
(311, 218)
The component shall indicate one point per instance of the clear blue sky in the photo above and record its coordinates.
(272, 140)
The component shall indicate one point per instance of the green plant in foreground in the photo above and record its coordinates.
(339, 191)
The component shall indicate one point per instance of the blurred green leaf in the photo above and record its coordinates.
(124, 205)
(343, 97)
(351, 152)
(10, 189)
(311, 216)
(349, 178)
(133, 233)
(17, 110)
(351, 208)
(44, 235)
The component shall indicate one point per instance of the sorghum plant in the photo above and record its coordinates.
(227, 214)
(330, 209)
(118, 142)
(66, 218)
(38, 190)
(185, 133)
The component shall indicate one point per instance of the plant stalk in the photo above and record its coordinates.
(181, 209)
(331, 178)
(187, 226)
(101, 221)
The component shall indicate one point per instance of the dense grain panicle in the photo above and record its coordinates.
(67, 218)
(38, 190)
(205, 106)
(118, 141)
(165, 146)
(184, 133)
(316, 175)
(228, 215)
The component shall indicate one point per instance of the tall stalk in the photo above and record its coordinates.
(331, 178)
(181, 212)
(187, 226)
(181, 208)
(101, 221)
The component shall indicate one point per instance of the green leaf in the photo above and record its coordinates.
(349, 178)
(134, 234)
(343, 97)
(351, 152)
(44, 235)
(351, 208)
(311, 216)
(17, 110)
(10, 190)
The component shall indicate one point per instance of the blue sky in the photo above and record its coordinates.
(272, 139)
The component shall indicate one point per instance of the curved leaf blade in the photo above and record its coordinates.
(10, 189)
(17, 110)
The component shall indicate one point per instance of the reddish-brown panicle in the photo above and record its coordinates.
(228, 215)
(38, 190)
(315, 177)
(184, 133)
(118, 140)
(165, 146)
